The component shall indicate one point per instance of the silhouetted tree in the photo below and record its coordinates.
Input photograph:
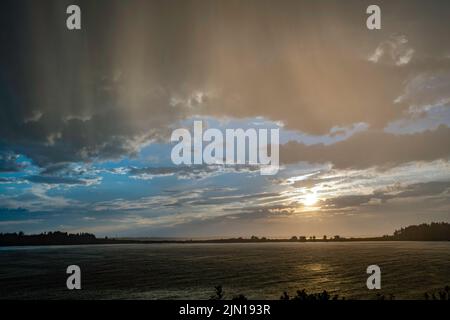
(240, 297)
(218, 294)
(436, 231)
(284, 296)
(302, 295)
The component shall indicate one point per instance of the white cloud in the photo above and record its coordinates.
(393, 51)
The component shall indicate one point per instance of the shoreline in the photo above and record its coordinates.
(218, 241)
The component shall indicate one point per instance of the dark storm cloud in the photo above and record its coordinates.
(373, 148)
(137, 67)
(63, 95)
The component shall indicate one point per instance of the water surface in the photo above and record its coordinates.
(190, 271)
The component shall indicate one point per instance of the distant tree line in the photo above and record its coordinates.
(46, 238)
(436, 231)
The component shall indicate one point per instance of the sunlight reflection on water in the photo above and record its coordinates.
(190, 271)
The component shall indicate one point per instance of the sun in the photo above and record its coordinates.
(310, 199)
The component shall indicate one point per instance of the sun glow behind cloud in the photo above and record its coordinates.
(310, 199)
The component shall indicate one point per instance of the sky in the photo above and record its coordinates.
(86, 116)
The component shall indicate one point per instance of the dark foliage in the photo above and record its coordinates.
(47, 238)
(302, 295)
(218, 294)
(443, 294)
(239, 297)
(436, 231)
